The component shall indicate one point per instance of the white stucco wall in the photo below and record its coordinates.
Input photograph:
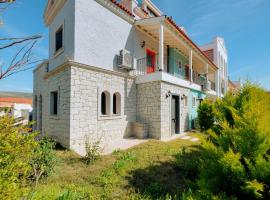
(100, 35)
(19, 108)
(65, 17)
(220, 59)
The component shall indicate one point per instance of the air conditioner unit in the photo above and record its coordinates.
(207, 85)
(125, 60)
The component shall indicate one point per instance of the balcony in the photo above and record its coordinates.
(200, 79)
(170, 53)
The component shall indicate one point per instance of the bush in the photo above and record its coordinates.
(22, 156)
(235, 160)
(206, 115)
(93, 150)
(44, 159)
(16, 152)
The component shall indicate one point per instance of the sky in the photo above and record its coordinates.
(244, 24)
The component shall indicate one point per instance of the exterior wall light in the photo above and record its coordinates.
(169, 93)
(183, 97)
(143, 44)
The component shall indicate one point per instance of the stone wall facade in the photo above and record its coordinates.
(86, 121)
(79, 115)
(57, 127)
(166, 108)
(154, 108)
(148, 107)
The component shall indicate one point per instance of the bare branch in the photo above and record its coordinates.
(23, 58)
(23, 47)
(5, 4)
(18, 41)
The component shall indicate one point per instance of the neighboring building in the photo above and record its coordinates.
(217, 52)
(19, 105)
(232, 87)
(118, 69)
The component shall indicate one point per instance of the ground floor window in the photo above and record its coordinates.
(54, 103)
(194, 102)
(116, 103)
(105, 103)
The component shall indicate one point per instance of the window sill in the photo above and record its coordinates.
(109, 117)
(59, 52)
(55, 117)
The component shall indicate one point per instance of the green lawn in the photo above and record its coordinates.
(146, 171)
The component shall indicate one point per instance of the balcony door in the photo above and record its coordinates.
(150, 61)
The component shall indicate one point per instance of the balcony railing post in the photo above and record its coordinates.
(190, 65)
(217, 82)
(161, 48)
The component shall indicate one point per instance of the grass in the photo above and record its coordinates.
(146, 171)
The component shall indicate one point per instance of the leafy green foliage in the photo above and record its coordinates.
(16, 152)
(44, 159)
(93, 150)
(22, 156)
(205, 115)
(235, 160)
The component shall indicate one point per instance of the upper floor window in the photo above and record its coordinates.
(59, 39)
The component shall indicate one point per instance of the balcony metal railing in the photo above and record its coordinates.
(213, 86)
(141, 67)
(197, 78)
(142, 70)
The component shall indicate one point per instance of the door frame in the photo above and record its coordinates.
(154, 54)
(179, 113)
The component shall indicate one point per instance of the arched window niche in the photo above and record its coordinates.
(117, 103)
(105, 103)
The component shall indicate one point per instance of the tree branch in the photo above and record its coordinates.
(22, 59)
(18, 41)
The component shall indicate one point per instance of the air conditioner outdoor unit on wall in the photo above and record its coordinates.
(125, 60)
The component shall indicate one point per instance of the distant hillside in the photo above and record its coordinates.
(16, 94)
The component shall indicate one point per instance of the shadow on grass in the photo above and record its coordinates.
(169, 178)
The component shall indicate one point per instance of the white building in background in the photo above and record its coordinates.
(18, 105)
(217, 52)
(118, 69)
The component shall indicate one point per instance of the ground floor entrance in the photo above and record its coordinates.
(175, 115)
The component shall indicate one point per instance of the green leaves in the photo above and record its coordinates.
(43, 160)
(22, 156)
(235, 159)
(16, 151)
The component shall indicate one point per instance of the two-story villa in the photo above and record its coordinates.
(121, 69)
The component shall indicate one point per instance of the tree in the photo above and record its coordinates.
(235, 160)
(23, 58)
(16, 151)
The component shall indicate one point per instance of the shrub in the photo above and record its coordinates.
(206, 115)
(44, 159)
(93, 150)
(235, 160)
(16, 152)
